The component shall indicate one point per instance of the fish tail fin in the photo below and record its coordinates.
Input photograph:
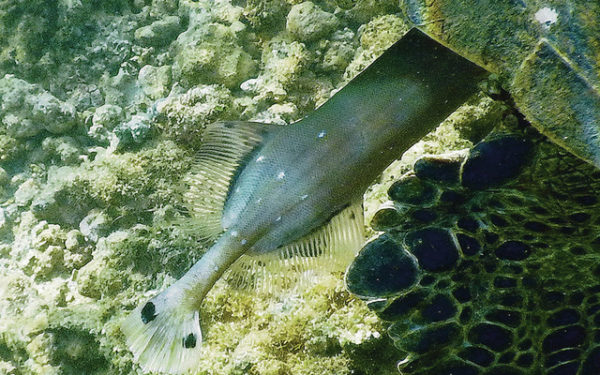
(164, 333)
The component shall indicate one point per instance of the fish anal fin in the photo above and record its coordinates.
(325, 250)
(225, 148)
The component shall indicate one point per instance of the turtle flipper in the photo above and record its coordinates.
(495, 271)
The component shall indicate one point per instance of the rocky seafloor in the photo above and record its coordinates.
(102, 104)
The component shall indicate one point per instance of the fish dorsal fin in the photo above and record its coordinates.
(225, 148)
(327, 249)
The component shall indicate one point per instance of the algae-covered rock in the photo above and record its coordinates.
(266, 15)
(308, 22)
(10, 148)
(160, 32)
(28, 109)
(4, 178)
(155, 81)
(213, 52)
(65, 149)
(185, 115)
(134, 131)
(26, 192)
(104, 120)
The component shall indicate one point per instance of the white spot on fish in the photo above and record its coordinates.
(304, 196)
(546, 17)
(260, 158)
(234, 233)
(237, 190)
(321, 134)
(244, 241)
(281, 175)
(278, 218)
(259, 200)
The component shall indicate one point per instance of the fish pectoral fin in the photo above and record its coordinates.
(226, 146)
(325, 250)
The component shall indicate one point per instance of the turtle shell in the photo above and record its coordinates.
(490, 263)
(545, 53)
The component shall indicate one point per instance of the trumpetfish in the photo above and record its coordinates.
(280, 190)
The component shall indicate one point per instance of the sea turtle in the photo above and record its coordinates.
(488, 262)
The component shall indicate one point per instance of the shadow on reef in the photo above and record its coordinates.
(489, 262)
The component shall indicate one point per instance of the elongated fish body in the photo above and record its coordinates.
(300, 176)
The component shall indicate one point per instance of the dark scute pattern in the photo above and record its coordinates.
(412, 191)
(402, 306)
(569, 337)
(468, 224)
(525, 360)
(462, 294)
(587, 200)
(563, 317)
(562, 356)
(579, 217)
(513, 250)
(498, 221)
(510, 300)
(480, 356)
(506, 276)
(469, 245)
(385, 218)
(504, 282)
(451, 196)
(506, 357)
(424, 215)
(507, 317)
(382, 268)
(494, 162)
(576, 298)
(552, 299)
(591, 365)
(493, 336)
(536, 226)
(455, 369)
(438, 170)
(440, 308)
(434, 248)
(504, 370)
(431, 338)
(566, 369)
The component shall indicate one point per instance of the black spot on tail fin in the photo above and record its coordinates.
(189, 341)
(148, 313)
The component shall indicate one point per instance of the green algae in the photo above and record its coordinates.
(90, 183)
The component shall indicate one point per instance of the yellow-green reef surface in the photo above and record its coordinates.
(102, 104)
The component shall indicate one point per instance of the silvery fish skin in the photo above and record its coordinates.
(304, 174)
